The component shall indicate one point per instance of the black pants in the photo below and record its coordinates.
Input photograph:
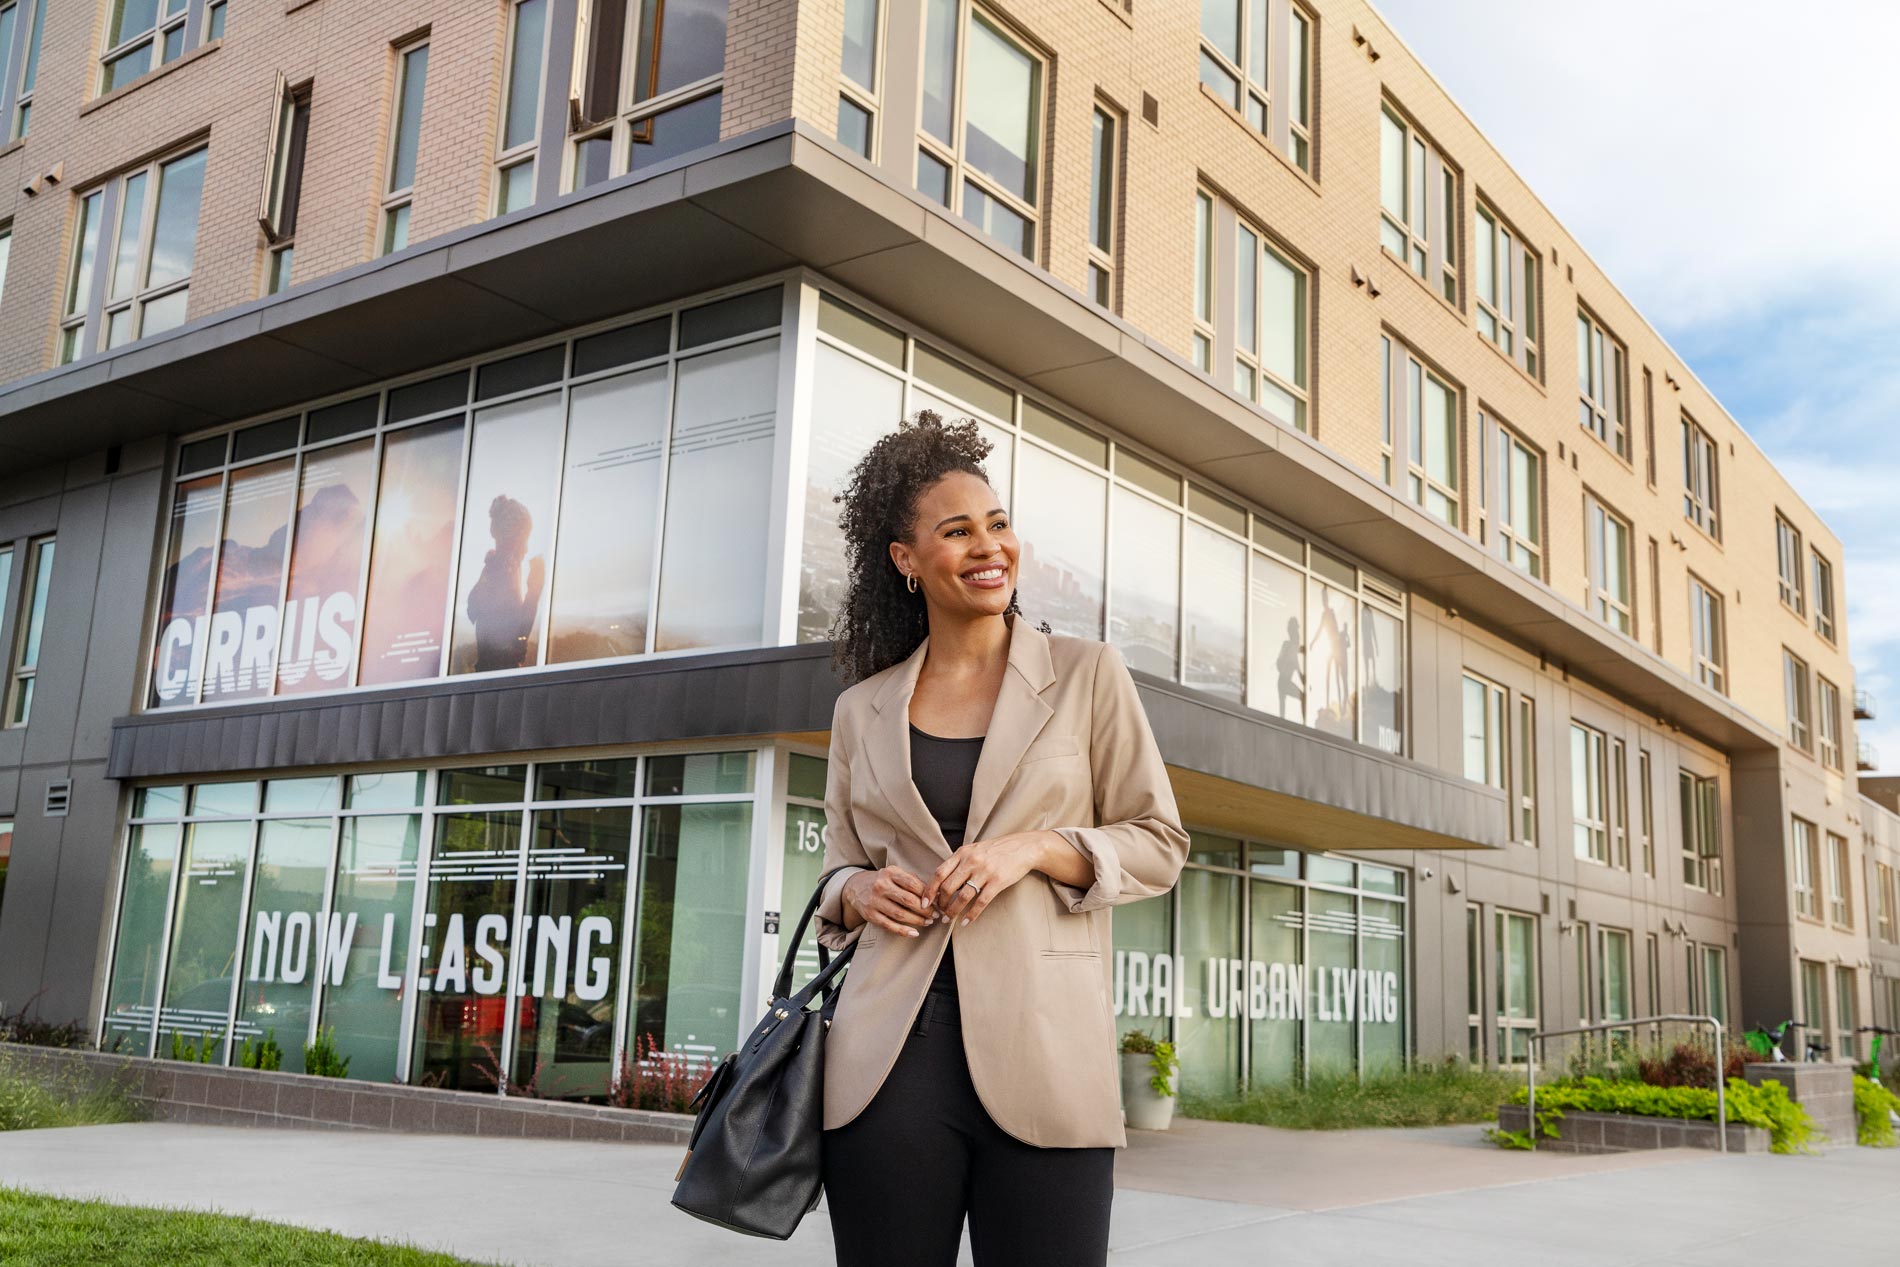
(900, 1176)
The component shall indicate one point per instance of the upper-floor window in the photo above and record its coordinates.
(1788, 563)
(1239, 65)
(1418, 204)
(1886, 898)
(858, 78)
(517, 149)
(1707, 634)
(1603, 385)
(1505, 271)
(1840, 882)
(979, 150)
(1203, 281)
(1646, 810)
(1794, 681)
(6, 255)
(1589, 793)
(142, 35)
(1525, 775)
(1269, 327)
(1511, 492)
(1619, 804)
(1608, 565)
(1828, 718)
(1823, 597)
(1701, 486)
(283, 186)
(1105, 180)
(405, 136)
(20, 22)
(133, 251)
(1701, 832)
(31, 630)
(1807, 868)
(1485, 741)
(649, 85)
(1419, 430)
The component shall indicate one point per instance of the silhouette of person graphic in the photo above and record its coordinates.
(1292, 684)
(500, 606)
(1336, 660)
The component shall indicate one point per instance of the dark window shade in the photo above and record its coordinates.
(345, 419)
(202, 455)
(431, 396)
(519, 373)
(269, 437)
(624, 346)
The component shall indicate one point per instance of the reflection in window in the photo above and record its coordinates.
(1062, 522)
(466, 950)
(1145, 578)
(861, 402)
(989, 173)
(409, 560)
(507, 531)
(204, 938)
(648, 86)
(1332, 697)
(184, 591)
(718, 496)
(1382, 702)
(1207, 1036)
(371, 909)
(284, 951)
(610, 501)
(241, 659)
(139, 940)
(1214, 612)
(1275, 916)
(323, 600)
(1276, 673)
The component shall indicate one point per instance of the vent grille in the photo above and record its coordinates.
(59, 798)
(1150, 109)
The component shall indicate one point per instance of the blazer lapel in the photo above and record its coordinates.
(887, 751)
(1017, 719)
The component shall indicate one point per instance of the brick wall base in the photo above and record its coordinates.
(176, 1092)
(1826, 1091)
(1623, 1133)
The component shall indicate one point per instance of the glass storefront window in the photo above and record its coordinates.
(409, 557)
(1332, 953)
(132, 999)
(1382, 706)
(371, 913)
(466, 949)
(1062, 523)
(1333, 691)
(184, 592)
(1381, 990)
(1145, 583)
(856, 402)
(324, 598)
(1276, 640)
(1146, 970)
(507, 531)
(204, 934)
(241, 656)
(285, 949)
(1213, 989)
(1274, 967)
(1215, 613)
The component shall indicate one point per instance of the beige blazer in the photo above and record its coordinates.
(1068, 748)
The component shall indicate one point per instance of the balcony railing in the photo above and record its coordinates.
(1863, 704)
(1866, 756)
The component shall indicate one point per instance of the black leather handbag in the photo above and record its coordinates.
(752, 1163)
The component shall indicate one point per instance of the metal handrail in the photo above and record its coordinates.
(1721, 1083)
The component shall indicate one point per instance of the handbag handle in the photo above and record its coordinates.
(782, 985)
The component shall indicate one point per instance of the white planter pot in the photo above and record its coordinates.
(1145, 1110)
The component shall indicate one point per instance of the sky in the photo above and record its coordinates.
(1730, 167)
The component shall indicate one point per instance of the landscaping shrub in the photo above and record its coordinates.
(38, 1100)
(1446, 1094)
(18, 1027)
(652, 1079)
(1691, 1065)
(1874, 1106)
(1789, 1127)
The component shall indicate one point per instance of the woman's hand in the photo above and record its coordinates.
(891, 899)
(994, 865)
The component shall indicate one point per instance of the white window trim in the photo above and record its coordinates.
(1601, 603)
(395, 199)
(1426, 245)
(21, 675)
(527, 152)
(87, 325)
(1268, 96)
(1596, 844)
(869, 99)
(1798, 696)
(190, 35)
(1788, 571)
(1516, 333)
(1701, 506)
(1603, 357)
(1103, 257)
(1709, 658)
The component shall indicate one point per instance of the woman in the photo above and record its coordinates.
(996, 789)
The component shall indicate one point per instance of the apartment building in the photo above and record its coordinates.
(417, 441)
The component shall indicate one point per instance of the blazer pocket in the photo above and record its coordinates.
(1053, 746)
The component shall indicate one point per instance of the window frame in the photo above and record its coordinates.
(1252, 361)
(1428, 250)
(1708, 635)
(1827, 718)
(1514, 333)
(1505, 1022)
(283, 181)
(866, 97)
(1524, 771)
(1398, 405)
(1700, 801)
(1798, 698)
(1204, 334)
(195, 24)
(1788, 569)
(1497, 504)
(36, 583)
(1105, 195)
(1602, 356)
(1599, 601)
(1805, 839)
(525, 153)
(85, 327)
(1495, 715)
(1823, 572)
(395, 200)
(1270, 104)
(1590, 802)
(1840, 882)
(1646, 808)
(19, 67)
(952, 156)
(1701, 479)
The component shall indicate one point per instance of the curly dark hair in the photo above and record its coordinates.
(881, 622)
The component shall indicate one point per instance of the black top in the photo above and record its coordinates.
(943, 770)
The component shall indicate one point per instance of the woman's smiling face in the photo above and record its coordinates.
(962, 550)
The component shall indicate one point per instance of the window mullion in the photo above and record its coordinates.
(1279, 110)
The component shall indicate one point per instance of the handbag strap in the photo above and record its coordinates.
(782, 985)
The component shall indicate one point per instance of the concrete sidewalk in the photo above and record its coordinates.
(1204, 1193)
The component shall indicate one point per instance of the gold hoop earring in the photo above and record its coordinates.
(910, 581)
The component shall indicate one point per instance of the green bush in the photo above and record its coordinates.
(1445, 1094)
(1874, 1106)
(1789, 1127)
(263, 1054)
(322, 1058)
(203, 1052)
(39, 1100)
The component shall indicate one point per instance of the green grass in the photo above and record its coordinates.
(1428, 1095)
(37, 1231)
(28, 1103)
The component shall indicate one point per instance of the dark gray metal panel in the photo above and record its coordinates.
(82, 895)
(1198, 733)
(69, 618)
(725, 694)
(32, 880)
(117, 617)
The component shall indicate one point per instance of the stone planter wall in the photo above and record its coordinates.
(1826, 1091)
(178, 1092)
(1624, 1133)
